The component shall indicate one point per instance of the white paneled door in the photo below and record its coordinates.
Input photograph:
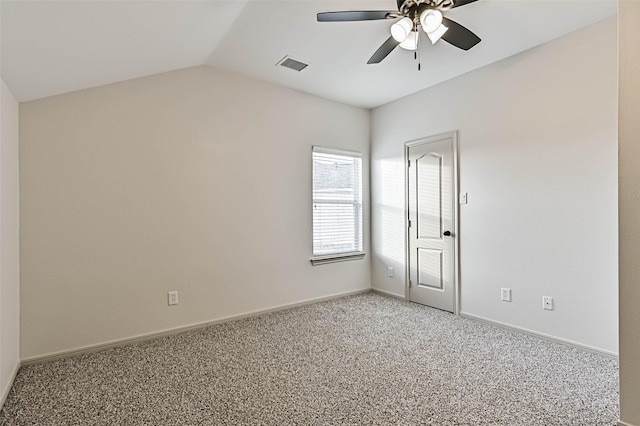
(432, 221)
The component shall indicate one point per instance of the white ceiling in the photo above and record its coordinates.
(51, 47)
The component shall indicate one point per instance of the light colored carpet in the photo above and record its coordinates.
(363, 359)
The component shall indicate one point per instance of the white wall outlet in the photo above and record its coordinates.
(547, 303)
(390, 271)
(173, 298)
(463, 198)
(505, 294)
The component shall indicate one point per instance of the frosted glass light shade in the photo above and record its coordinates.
(401, 29)
(431, 19)
(411, 42)
(435, 35)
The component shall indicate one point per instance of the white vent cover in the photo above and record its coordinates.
(294, 64)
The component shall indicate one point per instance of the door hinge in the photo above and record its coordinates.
(409, 223)
(409, 283)
(408, 163)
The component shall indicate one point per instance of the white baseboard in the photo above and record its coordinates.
(7, 388)
(388, 293)
(167, 332)
(567, 342)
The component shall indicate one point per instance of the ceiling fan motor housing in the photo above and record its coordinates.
(415, 7)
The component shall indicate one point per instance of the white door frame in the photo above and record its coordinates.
(456, 226)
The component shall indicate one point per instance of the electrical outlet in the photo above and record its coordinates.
(547, 303)
(505, 294)
(173, 298)
(390, 271)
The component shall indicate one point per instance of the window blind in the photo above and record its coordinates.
(337, 202)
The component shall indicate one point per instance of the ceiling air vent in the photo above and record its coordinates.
(289, 62)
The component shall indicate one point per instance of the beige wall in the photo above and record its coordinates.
(538, 159)
(196, 180)
(629, 175)
(9, 242)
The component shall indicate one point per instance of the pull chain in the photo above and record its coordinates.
(418, 49)
(415, 52)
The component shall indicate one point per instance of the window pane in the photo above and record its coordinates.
(337, 203)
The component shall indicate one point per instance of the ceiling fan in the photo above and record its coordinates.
(413, 14)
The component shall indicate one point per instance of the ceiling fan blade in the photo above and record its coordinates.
(458, 35)
(382, 52)
(458, 3)
(355, 15)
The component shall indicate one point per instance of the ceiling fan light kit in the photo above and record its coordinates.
(430, 20)
(401, 29)
(411, 42)
(413, 14)
(437, 34)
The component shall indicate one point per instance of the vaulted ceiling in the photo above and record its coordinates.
(52, 47)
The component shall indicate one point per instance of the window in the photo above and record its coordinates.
(337, 205)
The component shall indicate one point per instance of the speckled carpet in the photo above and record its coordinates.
(363, 359)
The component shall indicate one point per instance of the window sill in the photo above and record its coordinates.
(332, 258)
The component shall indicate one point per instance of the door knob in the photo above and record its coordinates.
(447, 233)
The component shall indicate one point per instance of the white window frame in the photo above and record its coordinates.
(359, 222)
